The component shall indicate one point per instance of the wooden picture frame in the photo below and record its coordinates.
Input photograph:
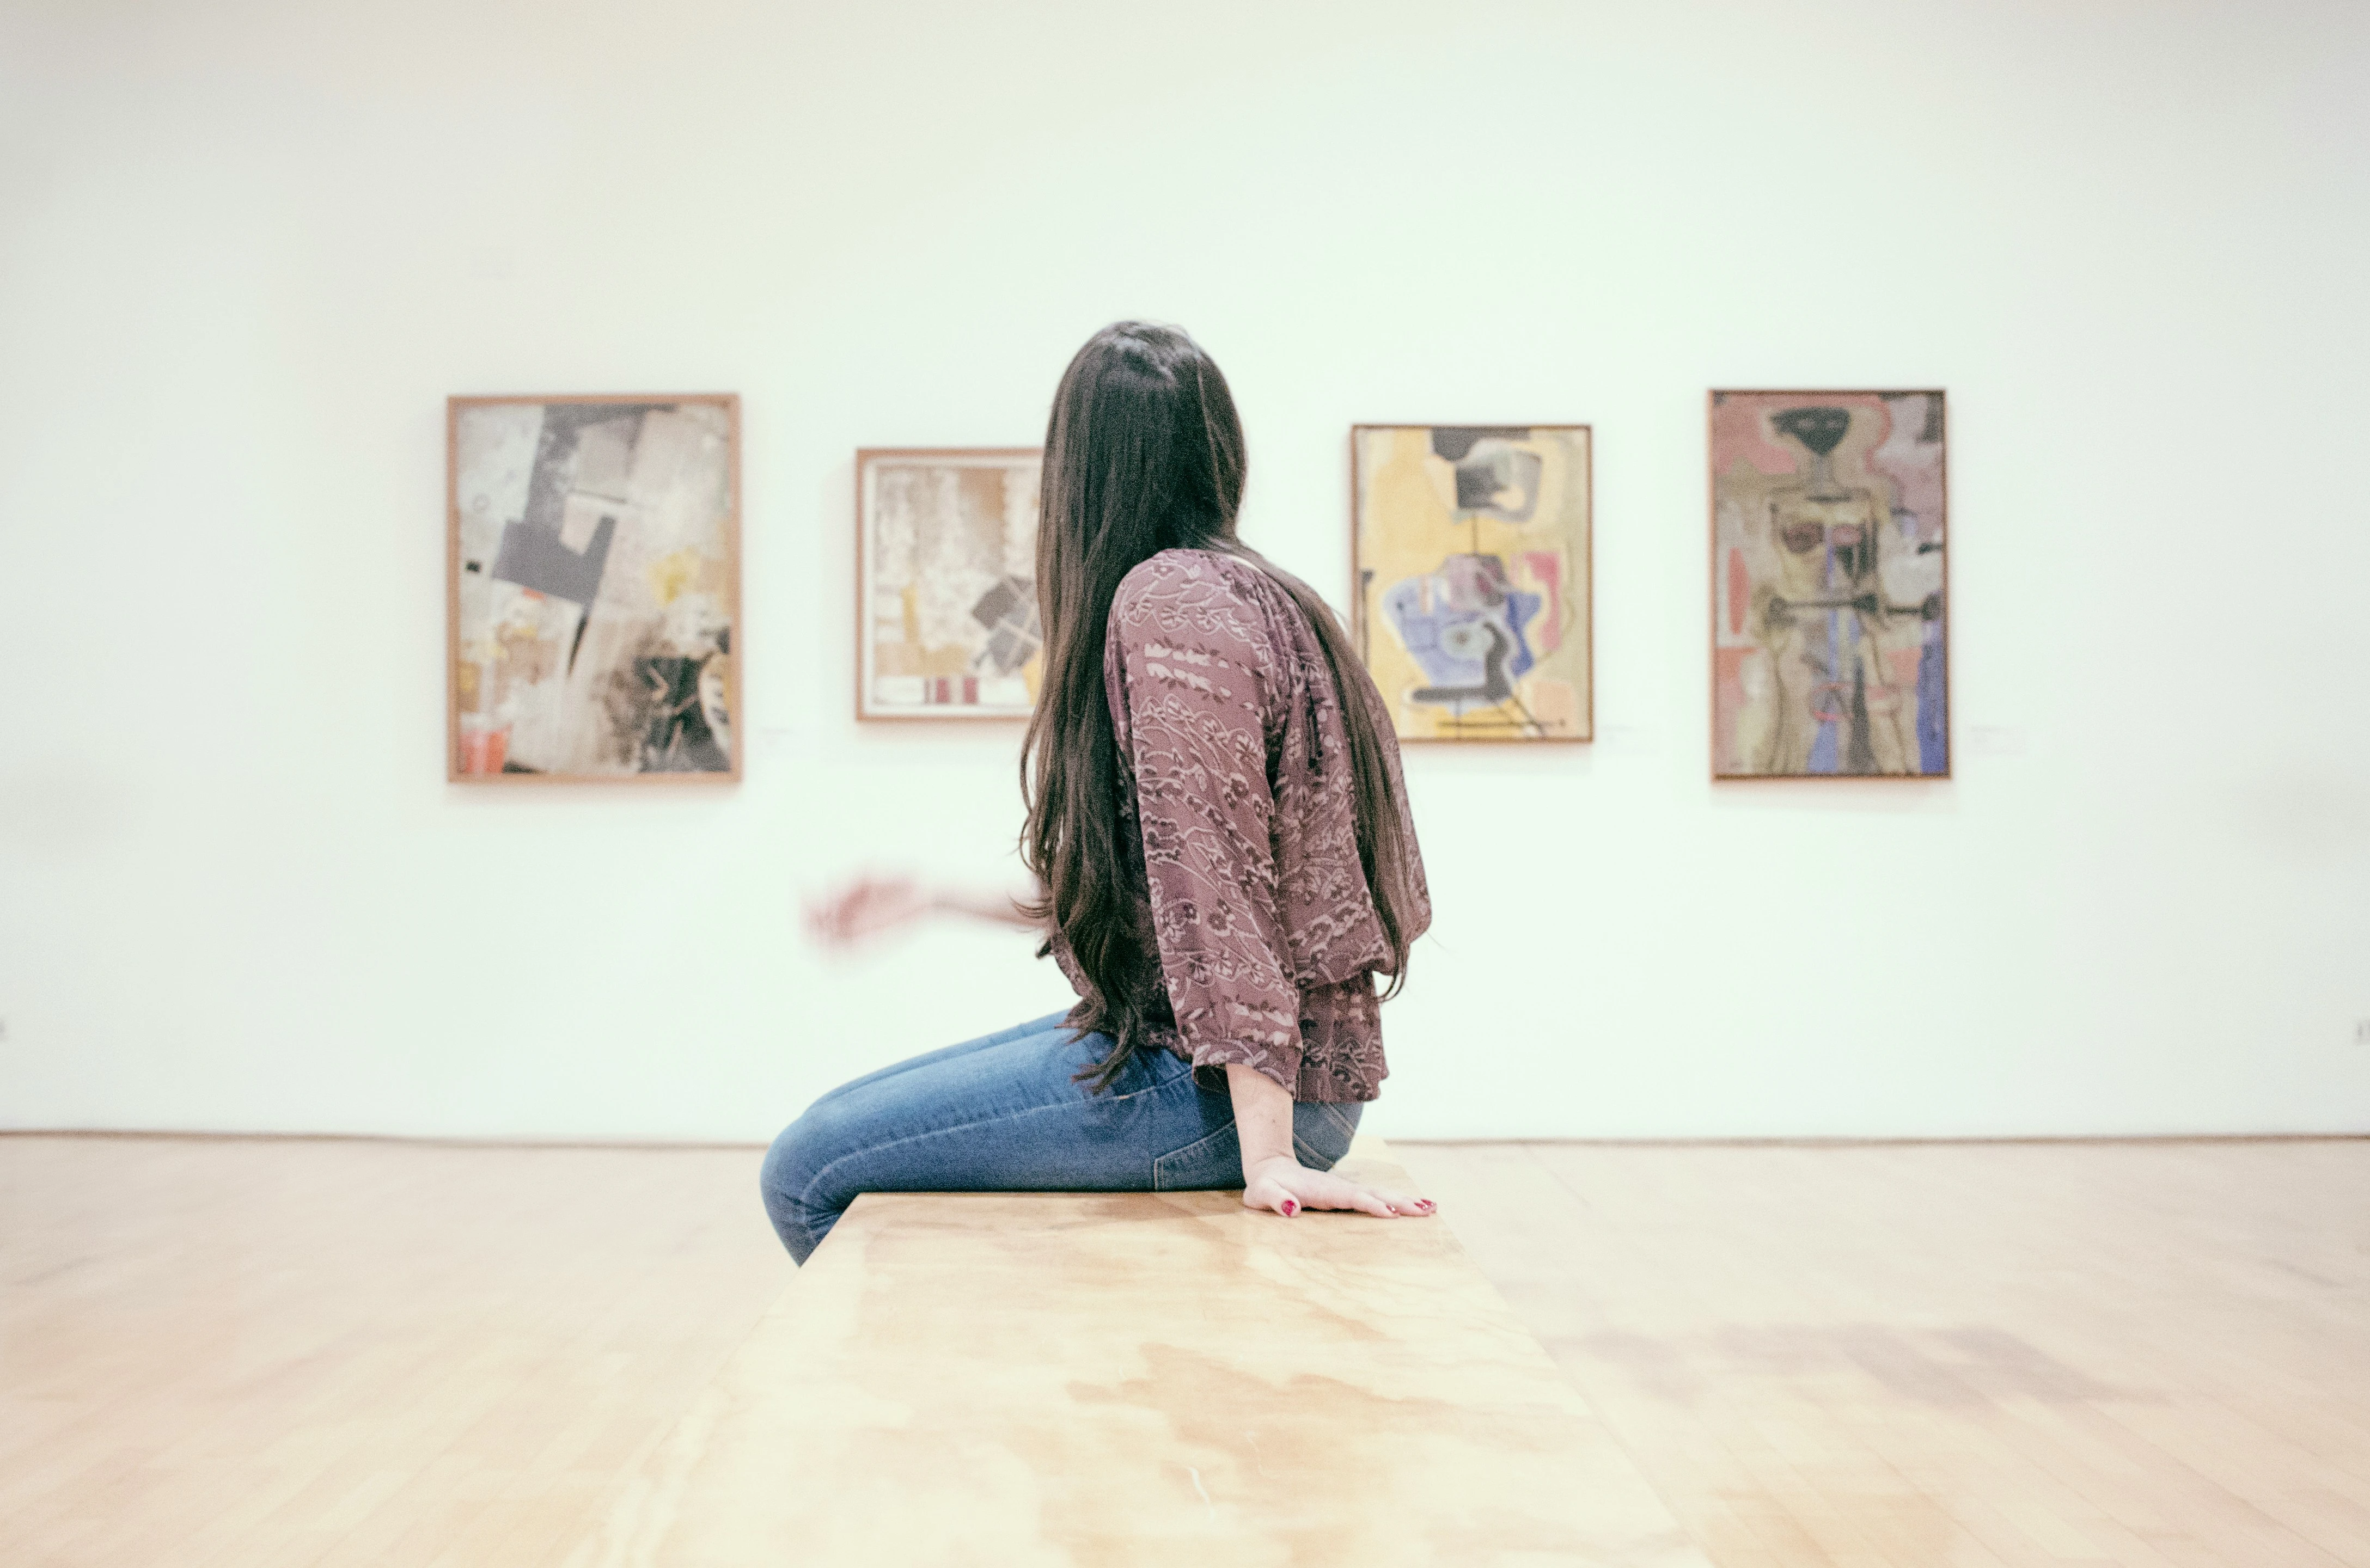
(945, 588)
(1797, 472)
(638, 678)
(1482, 651)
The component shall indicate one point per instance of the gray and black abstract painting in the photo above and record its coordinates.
(593, 590)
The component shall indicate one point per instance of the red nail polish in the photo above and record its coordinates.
(1290, 1209)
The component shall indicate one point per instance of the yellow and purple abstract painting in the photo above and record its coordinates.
(593, 587)
(1470, 548)
(1830, 631)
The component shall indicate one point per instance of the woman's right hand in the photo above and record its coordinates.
(866, 908)
(1284, 1184)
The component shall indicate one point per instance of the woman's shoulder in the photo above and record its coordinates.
(1200, 584)
(1212, 598)
(1189, 578)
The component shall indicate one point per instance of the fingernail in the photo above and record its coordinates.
(1290, 1209)
(1426, 1204)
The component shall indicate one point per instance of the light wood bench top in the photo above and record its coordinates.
(1016, 1380)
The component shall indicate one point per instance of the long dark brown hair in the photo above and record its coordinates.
(1144, 453)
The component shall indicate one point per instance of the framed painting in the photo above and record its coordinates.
(946, 583)
(1470, 562)
(1831, 645)
(592, 587)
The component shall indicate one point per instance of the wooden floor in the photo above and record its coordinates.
(260, 1354)
(2005, 1354)
(274, 1354)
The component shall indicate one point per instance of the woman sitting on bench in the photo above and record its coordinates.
(1220, 835)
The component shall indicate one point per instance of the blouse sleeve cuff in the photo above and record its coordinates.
(1280, 1064)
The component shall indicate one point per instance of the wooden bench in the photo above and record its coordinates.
(1014, 1380)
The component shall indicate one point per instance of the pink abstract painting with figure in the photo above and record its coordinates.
(1829, 601)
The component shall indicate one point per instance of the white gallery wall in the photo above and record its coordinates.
(247, 250)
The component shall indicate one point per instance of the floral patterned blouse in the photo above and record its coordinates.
(1237, 788)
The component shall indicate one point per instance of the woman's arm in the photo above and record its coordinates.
(984, 904)
(1273, 1177)
(872, 905)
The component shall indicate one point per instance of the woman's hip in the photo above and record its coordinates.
(1007, 1113)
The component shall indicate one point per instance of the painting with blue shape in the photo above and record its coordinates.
(1472, 550)
(1463, 625)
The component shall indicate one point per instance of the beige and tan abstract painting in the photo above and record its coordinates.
(1830, 636)
(594, 588)
(1470, 546)
(947, 622)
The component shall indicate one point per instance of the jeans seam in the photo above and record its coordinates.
(986, 1042)
(816, 1180)
(1183, 1149)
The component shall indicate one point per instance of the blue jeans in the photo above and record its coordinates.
(1001, 1114)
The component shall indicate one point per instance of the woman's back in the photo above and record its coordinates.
(1240, 801)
